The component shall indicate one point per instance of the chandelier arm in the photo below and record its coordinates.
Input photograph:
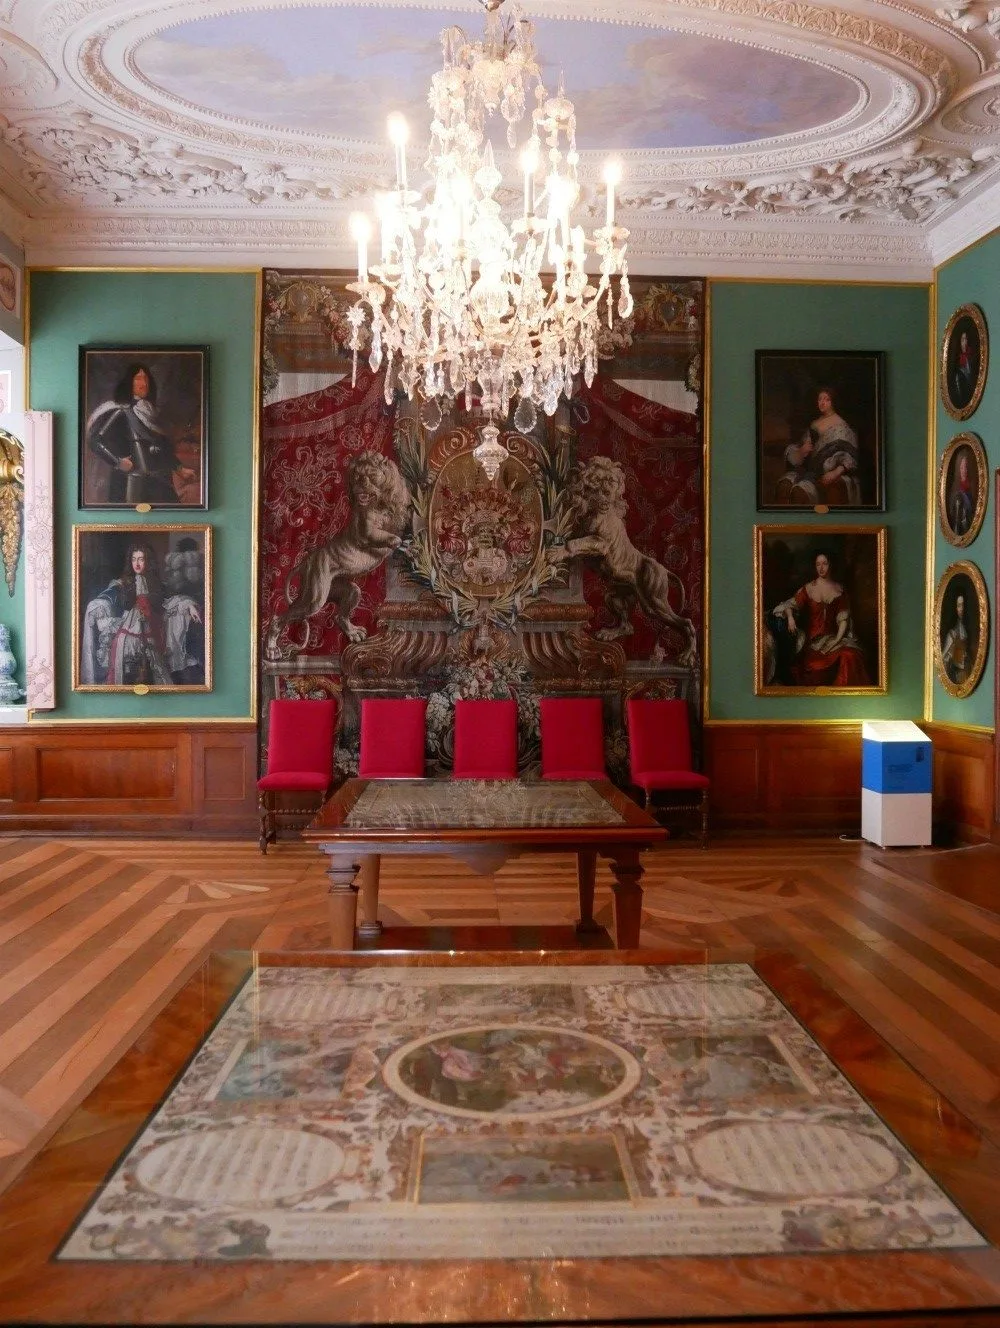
(458, 300)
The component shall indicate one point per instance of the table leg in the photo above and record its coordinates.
(343, 901)
(627, 871)
(586, 875)
(369, 926)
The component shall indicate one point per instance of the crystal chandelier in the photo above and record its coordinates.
(458, 306)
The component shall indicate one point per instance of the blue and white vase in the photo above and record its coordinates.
(10, 693)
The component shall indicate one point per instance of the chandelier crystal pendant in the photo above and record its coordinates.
(464, 304)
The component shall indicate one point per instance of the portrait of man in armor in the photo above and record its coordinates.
(143, 417)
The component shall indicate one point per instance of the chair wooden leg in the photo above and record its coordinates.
(262, 808)
(704, 818)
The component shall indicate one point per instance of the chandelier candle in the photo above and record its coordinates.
(458, 308)
(612, 176)
(399, 133)
(361, 230)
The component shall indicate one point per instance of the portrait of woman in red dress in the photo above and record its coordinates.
(825, 630)
(818, 616)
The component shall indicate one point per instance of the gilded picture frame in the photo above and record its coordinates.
(142, 608)
(820, 611)
(965, 359)
(961, 628)
(143, 428)
(962, 489)
(820, 420)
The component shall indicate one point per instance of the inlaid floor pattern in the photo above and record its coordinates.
(97, 935)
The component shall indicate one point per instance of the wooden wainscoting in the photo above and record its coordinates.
(963, 781)
(139, 778)
(785, 777)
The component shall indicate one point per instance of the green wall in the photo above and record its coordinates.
(215, 309)
(972, 278)
(69, 309)
(747, 316)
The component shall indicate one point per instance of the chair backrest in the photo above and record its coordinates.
(485, 740)
(659, 735)
(572, 737)
(393, 738)
(300, 736)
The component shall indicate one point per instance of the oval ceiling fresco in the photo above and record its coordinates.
(341, 70)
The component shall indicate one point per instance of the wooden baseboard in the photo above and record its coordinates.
(133, 779)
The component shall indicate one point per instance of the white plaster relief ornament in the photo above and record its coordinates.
(84, 130)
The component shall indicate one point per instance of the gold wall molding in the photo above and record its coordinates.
(930, 516)
(255, 423)
(986, 730)
(35, 720)
(788, 723)
(706, 480)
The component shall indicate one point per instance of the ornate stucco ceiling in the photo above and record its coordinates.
(859, 138)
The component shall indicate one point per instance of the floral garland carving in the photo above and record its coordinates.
(11, 505)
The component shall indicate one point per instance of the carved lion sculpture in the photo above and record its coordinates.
(379, 503)
(596, 498)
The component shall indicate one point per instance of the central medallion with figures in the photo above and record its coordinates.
(522, 1072)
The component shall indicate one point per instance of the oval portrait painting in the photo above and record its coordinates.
(965, 353)
(961, 628)
(963, 479)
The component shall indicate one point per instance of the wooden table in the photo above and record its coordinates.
(483, 824)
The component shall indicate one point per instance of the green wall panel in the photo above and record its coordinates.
(215, 309)
(973, 278)
(749, 316)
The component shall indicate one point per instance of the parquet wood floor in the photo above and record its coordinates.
(915, 1288)
(97, 935)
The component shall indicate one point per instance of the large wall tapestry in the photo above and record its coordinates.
(390, 565)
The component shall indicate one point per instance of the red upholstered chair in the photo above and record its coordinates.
(572, 737)
(659, 740)
(299, 760)
(393, 737)
(485, 740)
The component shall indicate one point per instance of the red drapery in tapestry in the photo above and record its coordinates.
(660, 451)
(306, 444)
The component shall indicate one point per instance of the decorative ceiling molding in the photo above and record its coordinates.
(977, 217)
(24, 75)
(82, 130)
(705, 238)
(913, 180)
(13, 222)
(62, 158)
(980, 16)
(920, 78)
